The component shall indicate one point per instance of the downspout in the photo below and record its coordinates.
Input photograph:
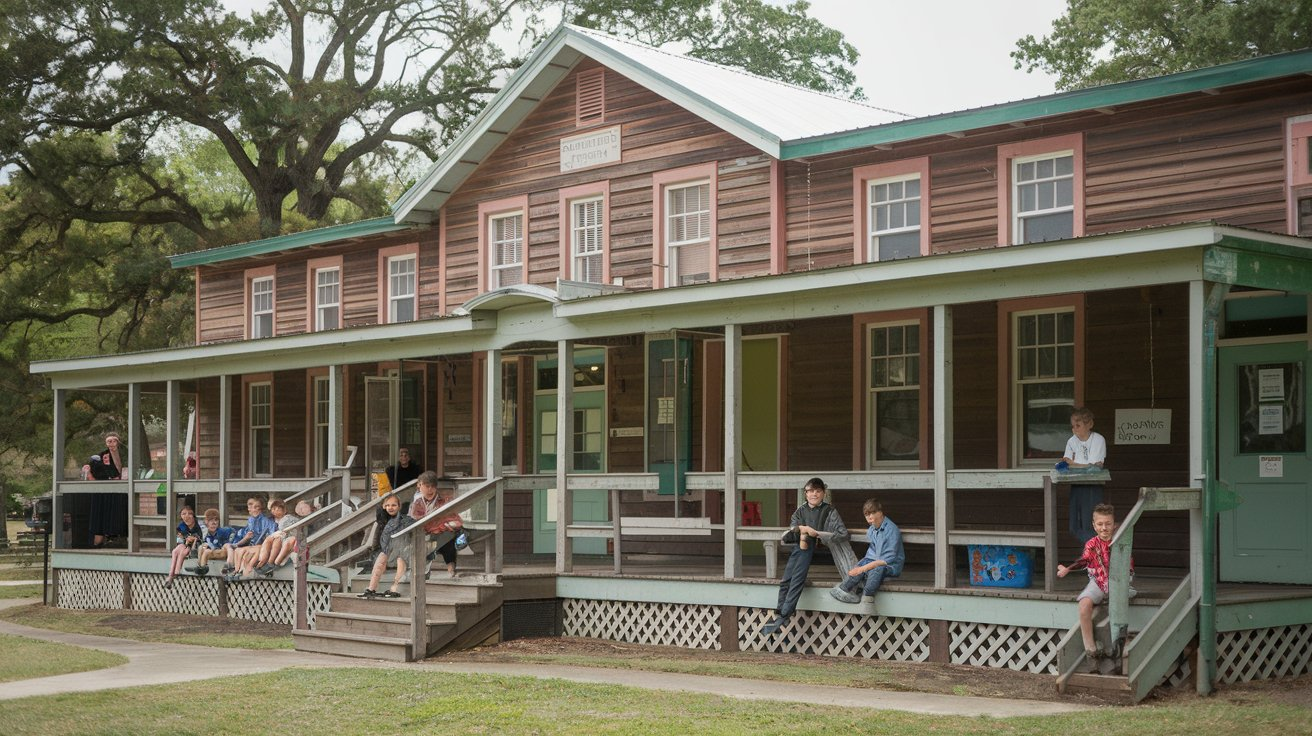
(1207, 603)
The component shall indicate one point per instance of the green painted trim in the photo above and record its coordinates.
(157, 564)
(291, 241)
(1263, 614)
(1259, 264)
(1111, 95)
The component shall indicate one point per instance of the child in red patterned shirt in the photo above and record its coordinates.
(1097, 560)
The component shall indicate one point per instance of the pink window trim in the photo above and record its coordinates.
(566, 197)
(861, 178)
(778, 219)
(1297, 155)
(313, 266)
(860, 329)
(1006, 152)
(250, 275)
(662, 180)
(486, 211)
(1005, 383)
(247, 456)
(384, 254)
(195, 295)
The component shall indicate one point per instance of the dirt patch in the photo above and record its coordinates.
(171, 623)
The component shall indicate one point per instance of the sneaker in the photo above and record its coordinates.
(1091, 658)
(201, 570)
(228, 570)
(233, 577)
(389, 594)
(846, 596)
(267, 570)
(774, 626)
(168, 584)
(367, 594)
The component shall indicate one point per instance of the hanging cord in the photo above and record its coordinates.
(808, 216)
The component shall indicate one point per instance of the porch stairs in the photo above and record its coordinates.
(460, 613)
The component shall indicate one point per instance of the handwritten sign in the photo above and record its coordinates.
(1143, 427)
(590, 149)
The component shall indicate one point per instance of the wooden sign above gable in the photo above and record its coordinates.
(584, 151)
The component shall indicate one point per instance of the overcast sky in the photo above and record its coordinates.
(929, 56)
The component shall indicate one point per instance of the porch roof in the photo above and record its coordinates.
(1173, 254)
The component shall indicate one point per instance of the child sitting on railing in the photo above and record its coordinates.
(214, 544)
(260, 555)
(188, 538)
(258, 527)
(285, 542)
(390, 549)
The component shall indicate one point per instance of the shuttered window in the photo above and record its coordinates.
(590, 97)
(586, 222)
(688, 233)
(506, 240)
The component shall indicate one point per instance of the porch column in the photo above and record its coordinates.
(1211, 301)
(733, 419)
(171, 412)
(56, 527)
(492, 451)
(565, 459)
(130, 472)
(944, 519)
(225, 452)
(1197, 325)
(336, 428)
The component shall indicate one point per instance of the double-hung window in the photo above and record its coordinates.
(688, 233)
(401, 294)
(894, 218)
(586, 223)
(1044, 197)
(260, 412)
(1298, 144)
(893, 392)
(327, 298)
(1044, 374)
(261, 307)
(506, 250)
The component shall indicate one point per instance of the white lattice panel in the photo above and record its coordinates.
(669, 624)
(88, 589)
(836, 635)
(1023, 648)
(1259, 654)
(194, 596)
(317, 598)
(270, 601)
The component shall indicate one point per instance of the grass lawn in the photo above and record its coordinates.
(30, 572)
(372, 701)
(157, 627)
(28, 658)
(10, 592)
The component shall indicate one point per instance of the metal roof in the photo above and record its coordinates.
(362, 228)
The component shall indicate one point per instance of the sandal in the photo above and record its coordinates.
(368, 594)
(390, 594)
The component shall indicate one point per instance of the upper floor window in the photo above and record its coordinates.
(1044, 374)
(1041, 190)
(401, 295)
(891, 210)
(261, 307)
(1298, 146)
(688, 233)
(585, 235)
(327, 298)
(893, 392)
(506, 244)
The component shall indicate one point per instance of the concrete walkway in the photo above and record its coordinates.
(152, 663)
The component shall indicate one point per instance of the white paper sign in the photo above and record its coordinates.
(590, 149)
(1143, 427)
(1270, 384)
(1271, 466)
(1270, 419)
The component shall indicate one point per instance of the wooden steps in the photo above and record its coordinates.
(459, 613)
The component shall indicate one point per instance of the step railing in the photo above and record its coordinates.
(1119, 576)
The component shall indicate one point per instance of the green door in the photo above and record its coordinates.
(1263, 455)
(589, 446)
(669, 412)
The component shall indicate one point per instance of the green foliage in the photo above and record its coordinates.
(1104, 41)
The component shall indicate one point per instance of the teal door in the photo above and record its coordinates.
(1263, 455)
(589, 446)
(669, 412)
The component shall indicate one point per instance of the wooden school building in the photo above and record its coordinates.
(643, 298)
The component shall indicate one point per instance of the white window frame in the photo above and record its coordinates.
(322, 305)
(1020, 381)
(1019, 218)
(396, 281)
(911, 375)
(259, 398)
(911, 225)
(261, 301)
(580, 228)
(496, 267)
(673, 246)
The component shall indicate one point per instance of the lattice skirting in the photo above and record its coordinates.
(1259, 654)
(837, 635)
(670, 624)
(268, 601)
(1022, 648)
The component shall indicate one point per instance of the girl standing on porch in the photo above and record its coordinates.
(109, 511)
(189, 536)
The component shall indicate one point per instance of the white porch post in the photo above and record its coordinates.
(733, 419)
(492, 451)
(565, 459)
(225, 451)
(171, 412)
(943, 515)
(130, 472)
(1197, 316)
(336, 392)
(57, 470)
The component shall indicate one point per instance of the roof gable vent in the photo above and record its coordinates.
(590, 97)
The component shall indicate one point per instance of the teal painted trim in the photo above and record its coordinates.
(1258, 264)
(1111, 95)
(1263, 614)
(956, 606)
(292, 241)
(158, 564)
